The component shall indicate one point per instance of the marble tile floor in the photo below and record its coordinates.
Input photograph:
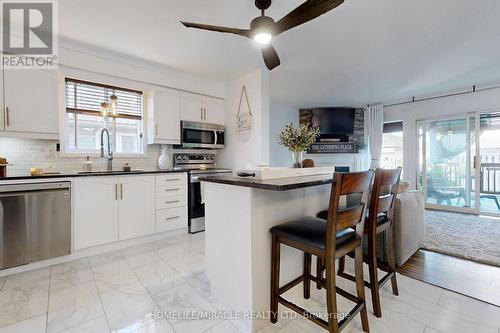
(119, 292)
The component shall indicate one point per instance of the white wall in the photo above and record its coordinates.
(115, 65)
(482, 101)
(237, 154)
(280, 115)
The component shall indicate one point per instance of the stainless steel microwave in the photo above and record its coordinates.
(202, 135)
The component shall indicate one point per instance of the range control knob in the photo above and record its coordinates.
(184, 157)
(178, 157)
(212, 157)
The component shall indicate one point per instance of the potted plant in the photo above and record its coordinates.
(361, 147)
(298, 139)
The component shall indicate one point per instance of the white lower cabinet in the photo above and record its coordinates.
(95, 211)
(171, 219)
(136, 206)
(171, 202)
(108, 209)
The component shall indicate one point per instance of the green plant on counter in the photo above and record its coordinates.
(298, 139)
(361, 146)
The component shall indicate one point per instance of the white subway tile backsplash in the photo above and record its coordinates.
(24, 154)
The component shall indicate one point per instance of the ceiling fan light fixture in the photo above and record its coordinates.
(263, 28)
(263, 38)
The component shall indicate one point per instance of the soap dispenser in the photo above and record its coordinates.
(87, 166)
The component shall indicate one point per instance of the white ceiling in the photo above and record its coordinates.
(365, 51)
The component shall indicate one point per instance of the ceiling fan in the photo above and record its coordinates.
(263, 28)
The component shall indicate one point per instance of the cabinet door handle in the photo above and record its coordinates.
(172, 218)
(7, 115)
(205, 113)
(201, 113)
(121, 191)
(174, 201)
(116, 191)
(156, 129)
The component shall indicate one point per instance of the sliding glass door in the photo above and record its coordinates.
(489, 163)
(447, 150)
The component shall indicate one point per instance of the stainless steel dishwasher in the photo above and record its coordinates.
(35, 222)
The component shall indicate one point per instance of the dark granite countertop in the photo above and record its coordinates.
(90, 174)
(280, 184)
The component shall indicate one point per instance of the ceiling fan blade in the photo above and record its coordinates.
(239, 32)
(306, 12)
(271, 58)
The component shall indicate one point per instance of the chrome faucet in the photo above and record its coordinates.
(109, 156)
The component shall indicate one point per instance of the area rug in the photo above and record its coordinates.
(466, 236)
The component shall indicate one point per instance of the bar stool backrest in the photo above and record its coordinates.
(351, 216)
(383, 196)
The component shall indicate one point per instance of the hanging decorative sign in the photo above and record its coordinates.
(332, 148)
(244, 119)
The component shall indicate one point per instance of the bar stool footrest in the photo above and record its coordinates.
(381, 282)
(321, 322)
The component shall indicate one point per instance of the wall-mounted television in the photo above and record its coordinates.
(334, 123)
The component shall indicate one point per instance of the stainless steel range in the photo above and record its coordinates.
(197, 164)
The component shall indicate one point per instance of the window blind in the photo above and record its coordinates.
(86, 97)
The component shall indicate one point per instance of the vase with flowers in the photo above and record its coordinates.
(298, 139)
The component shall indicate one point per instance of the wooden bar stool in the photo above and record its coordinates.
(380, 220)
(329, 240)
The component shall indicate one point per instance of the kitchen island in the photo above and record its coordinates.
(238, 215)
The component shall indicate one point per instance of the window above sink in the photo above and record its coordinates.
(84, 118)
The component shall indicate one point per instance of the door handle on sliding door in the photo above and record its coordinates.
(7, 116)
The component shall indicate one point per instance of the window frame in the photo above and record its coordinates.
(394, 127)
(111, 122)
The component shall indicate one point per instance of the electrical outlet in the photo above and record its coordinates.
(49, 154)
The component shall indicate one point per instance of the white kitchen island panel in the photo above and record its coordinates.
(238, 243)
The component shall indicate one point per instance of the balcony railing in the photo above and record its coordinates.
(490, 178)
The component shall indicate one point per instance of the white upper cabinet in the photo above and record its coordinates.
(191, 107)
(137, 206)
(203, 109)
(2, 107)
(31, 102)
(164, 117)
(214, 110)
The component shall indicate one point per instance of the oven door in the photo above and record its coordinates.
(196, 207)
(200, 135)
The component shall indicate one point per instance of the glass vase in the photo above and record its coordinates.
(297, 159)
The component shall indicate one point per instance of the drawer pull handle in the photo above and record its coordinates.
(172, 218)
(172, 189)
(169, 202)
(172, 180)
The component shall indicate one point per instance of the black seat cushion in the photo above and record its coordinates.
(311, 231)
(381, 218)
(322, 215)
